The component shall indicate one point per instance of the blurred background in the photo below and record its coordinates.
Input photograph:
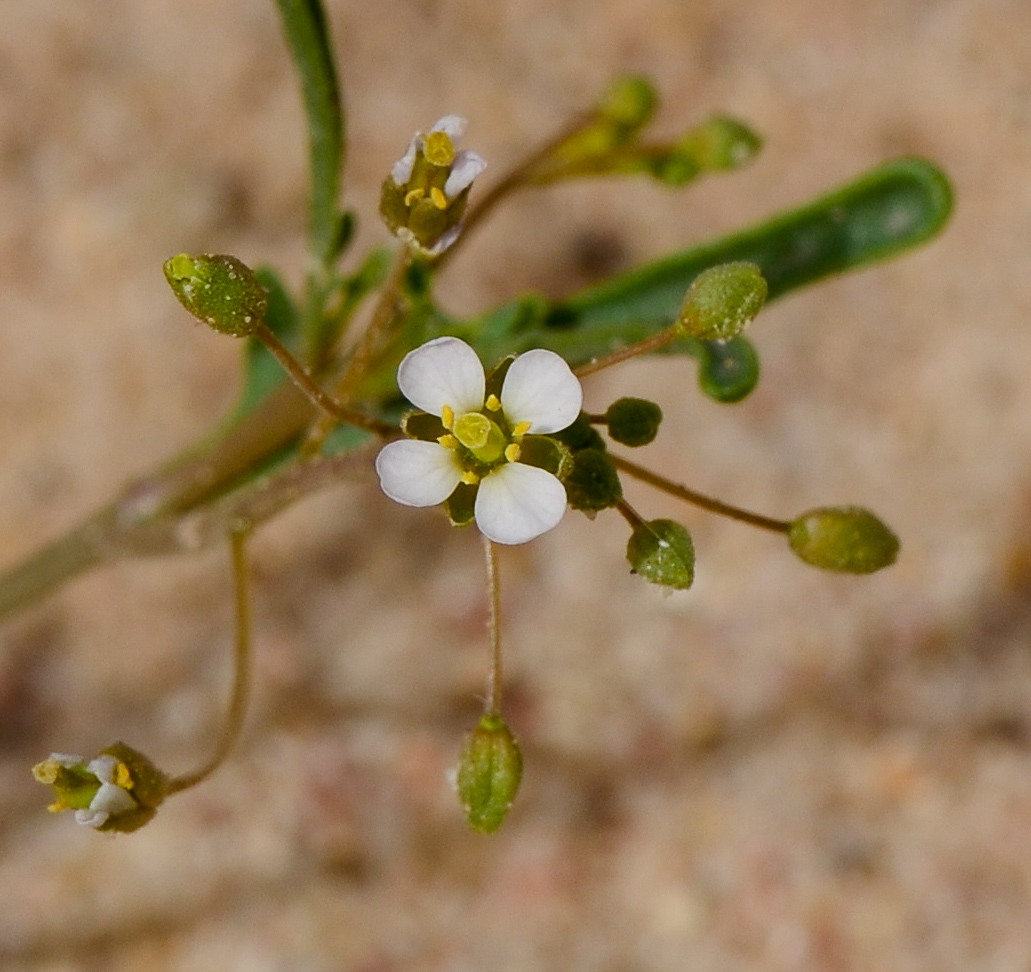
(779, 769)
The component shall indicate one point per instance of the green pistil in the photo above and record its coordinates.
(482, 437)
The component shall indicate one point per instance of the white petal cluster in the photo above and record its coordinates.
(514, 502)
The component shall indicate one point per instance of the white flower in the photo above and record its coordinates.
(113, 797)
(515, 502)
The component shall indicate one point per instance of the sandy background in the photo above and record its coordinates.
(777, 770)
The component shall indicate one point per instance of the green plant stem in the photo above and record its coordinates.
(319, 398)
(242, 664)
(494, 676)
(698, 499)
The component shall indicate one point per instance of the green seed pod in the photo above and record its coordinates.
(489, 772)
(633, 421)
(846, 539)
(661, 551)
(722, 301)
(219, 290)
(593, 483)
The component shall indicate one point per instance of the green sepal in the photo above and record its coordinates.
(489, 772)
(580, 435)
(546, 452)
(592, 483)
(662, 552)
(460, 505)
(423, 426)
(844, 539)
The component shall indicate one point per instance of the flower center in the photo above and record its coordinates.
(482, 437)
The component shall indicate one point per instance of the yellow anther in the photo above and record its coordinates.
(512, 452)
(58, 805)
(447, 417)
(492, 403)
(413, 196)
(438, 198)
(448, 441)
(123, 777)
(522, 428)
(470, 478)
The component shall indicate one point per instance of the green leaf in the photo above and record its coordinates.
(882, 213)
(307, 34)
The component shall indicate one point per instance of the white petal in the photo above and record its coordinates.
(415, 473)
(402, 170)
(516, 503)
(108, 801)
(453, 126)
(466, 167)
(103, 767)
(541, 389)
(442, 372)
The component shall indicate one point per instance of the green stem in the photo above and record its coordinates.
(494, 598)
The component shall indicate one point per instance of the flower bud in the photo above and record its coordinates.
(633, 421)
(720, 143)
(628, 103)
(846, 539)
(489, 772)
(219, 290)
(722, 301)
(661, 551)
(119, 790)
(593, 483)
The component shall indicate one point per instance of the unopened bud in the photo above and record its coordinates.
(661, 551)
(720, 143)
(489, 773)
(633, 421)
(722, 301)
(118, 790)
(846, 539)
(629, 102)
(219, 290)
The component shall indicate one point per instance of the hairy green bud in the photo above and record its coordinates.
(722, 301)
(720, 143)
(489, 773)
(219, 290)
(661, 551)
(633, 421)
(845, 539)
(593, 483)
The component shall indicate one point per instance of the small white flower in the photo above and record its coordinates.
(113, 796)
(515, 502)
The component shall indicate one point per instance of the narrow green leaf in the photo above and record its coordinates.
(307, 33)
(884, 212)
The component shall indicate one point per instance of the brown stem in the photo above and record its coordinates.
(242, 665)
(652, 343)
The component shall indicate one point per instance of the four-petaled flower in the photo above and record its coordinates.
(479, 439)
(425, 195)
(97, 790)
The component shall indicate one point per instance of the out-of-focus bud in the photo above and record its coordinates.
(661, 551)
(633, 421)
(593, 483)
(119, 790)
(722, 301)
(219, 290)
(628, 103)
(489, 773)
(424, 197)
(845, 539)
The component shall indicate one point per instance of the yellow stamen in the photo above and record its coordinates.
(492, 403)
(58, 805)
(448, 441)
(513, 452)
(123, 778)
(470, 478)
(438, 198)
(522, 428)
(447, 417)
(413, 196)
